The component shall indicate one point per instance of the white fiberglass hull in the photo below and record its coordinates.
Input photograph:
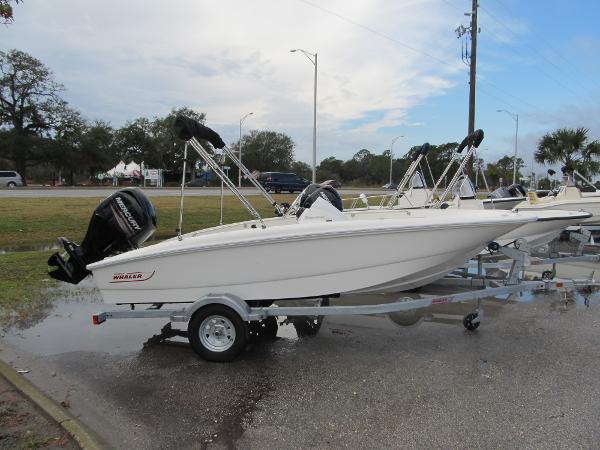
(548, 227)
(587, 204)
(551, 221)
(294, 260)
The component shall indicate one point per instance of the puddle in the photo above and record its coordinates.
(29, 248)
(64, 324)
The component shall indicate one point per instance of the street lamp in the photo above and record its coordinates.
(392, 155)
(514, 117)
(312, 57)
(240, 149)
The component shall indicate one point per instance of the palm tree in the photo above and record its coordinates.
(570, 147)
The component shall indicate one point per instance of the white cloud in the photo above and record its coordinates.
(121, 60)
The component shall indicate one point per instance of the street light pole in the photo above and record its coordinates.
(240, 149)
(514, 117)
(392, 155)
(312, 57)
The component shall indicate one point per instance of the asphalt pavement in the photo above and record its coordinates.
(528, 378)
(43, 192)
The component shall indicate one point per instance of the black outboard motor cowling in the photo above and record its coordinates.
(122, 222)
(314, 191)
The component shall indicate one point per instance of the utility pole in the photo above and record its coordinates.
(471, 60)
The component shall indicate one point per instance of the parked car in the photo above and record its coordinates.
(280, 181)
(389, 186)
(10, 179)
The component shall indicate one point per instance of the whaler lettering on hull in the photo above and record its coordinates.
(127, 277)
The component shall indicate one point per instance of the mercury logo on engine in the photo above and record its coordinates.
(127, 214)
(127, 277)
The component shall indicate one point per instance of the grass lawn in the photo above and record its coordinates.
(38, 221)
(29, 222)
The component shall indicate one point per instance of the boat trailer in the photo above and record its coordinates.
(220, 325)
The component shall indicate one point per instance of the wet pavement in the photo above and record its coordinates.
(529, 377)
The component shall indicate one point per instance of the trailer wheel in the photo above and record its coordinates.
(309, 325)
(266, 328)
(548, 275)
(217, 333)
(468, 322)
(493, 246)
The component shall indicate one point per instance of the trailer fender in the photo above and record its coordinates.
(237, 304)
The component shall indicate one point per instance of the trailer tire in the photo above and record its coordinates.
(266, 328)
(469, 321)
(548, 275)
(217, 333)
(309, 325)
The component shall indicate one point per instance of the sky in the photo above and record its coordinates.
(386, 68)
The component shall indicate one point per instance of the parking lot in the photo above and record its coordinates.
(528, 377)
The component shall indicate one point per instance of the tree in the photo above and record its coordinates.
(154, 142)
(503, 169)
(65, 150)
(570, 147)
(30, 107)
(134, 141)
(330, 169)
(266, 151)
(6, 11)
(97, 148)
(168, 147)
(301, 169)
(439, 156)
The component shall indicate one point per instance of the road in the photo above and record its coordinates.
(528, 378)
(152, 192)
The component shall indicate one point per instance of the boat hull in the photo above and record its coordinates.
(299, 260)
(548, 227)
(591, 205)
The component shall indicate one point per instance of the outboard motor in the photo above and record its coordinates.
(122, 222)
(314, 191)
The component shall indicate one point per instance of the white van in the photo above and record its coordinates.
(10, 179)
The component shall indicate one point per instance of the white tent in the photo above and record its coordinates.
(131, 169)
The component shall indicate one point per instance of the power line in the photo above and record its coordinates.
(515, 36)
(505, 92)
(420, 52)
(500, 99)
(554, 50)
(537, 53)
(380, 34)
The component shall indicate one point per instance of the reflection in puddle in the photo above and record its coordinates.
(63, 324)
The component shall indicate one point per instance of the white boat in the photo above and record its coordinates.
(416, 196)
(548, 226)
(323, 252)
(587, 188)
(568, 198)
(317, 252)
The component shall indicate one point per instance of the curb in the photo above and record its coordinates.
(70, 424)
